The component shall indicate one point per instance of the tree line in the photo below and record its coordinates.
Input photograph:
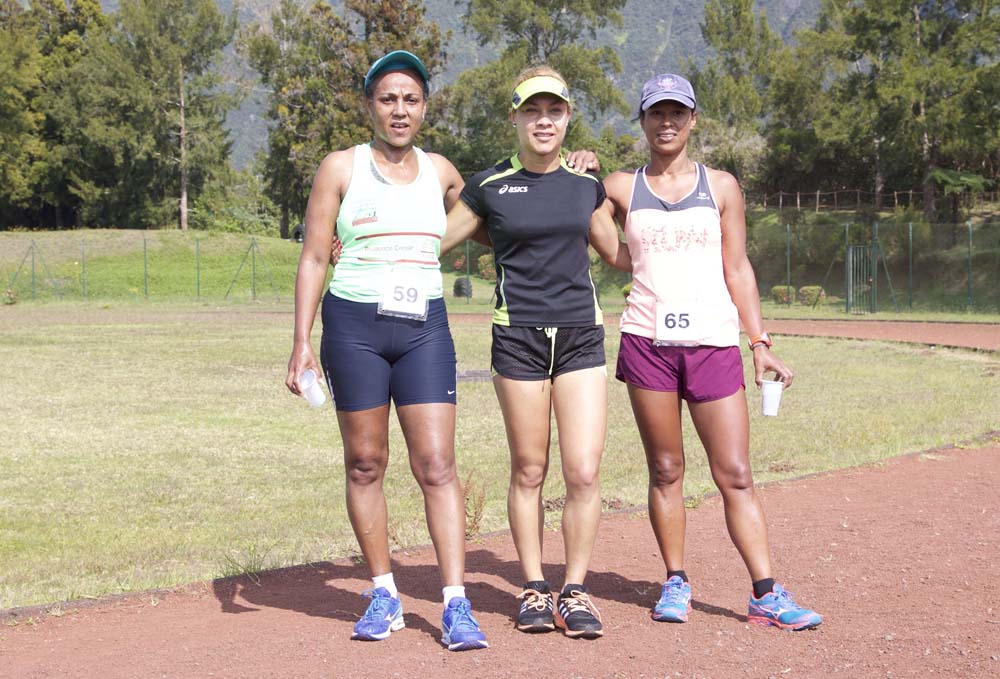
(118, 119)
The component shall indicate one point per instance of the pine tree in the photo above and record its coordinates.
(898, 92)
(146, 112)
(312, 62)
(531, 32)
(732, 87)
(21, 146)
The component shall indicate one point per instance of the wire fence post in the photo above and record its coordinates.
(909, 271)
(238, 270)
(145, 268)
(788, 263)
(468, 280)
(847, 268)
(197, 268)
(253, 269)
(83, 266)
(33, 290)
(877, 252)
(968, 285)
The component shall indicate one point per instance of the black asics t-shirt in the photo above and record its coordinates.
(539, 224)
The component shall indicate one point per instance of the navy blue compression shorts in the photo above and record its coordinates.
(369, 358)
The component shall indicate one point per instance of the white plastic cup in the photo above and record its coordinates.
(770, 397)
(309, 384)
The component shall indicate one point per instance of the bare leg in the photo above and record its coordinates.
(366, 455)
(580, 399)
(429, 430)
(658, 416)
(526, 408)
(724, 429)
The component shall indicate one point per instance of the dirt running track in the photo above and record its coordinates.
(983, 336)
(901, 559)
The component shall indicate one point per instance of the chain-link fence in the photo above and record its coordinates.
(879, 266)
(860, 267)
(145, 265)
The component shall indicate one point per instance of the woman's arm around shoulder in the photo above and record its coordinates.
(618, 186)
(451, 180)
(462, 225)
(451, 188)
(603, 230)
(740, 278)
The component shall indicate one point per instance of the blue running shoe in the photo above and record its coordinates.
(778, 608)
(459, 630)
(675, 601)
(383, 617)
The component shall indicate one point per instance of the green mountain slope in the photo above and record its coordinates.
(657, 36)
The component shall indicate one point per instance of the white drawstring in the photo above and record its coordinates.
(551, 334)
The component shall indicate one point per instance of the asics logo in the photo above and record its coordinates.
(512, 189)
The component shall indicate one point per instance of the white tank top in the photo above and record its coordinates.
(387, 226)
(679, 294)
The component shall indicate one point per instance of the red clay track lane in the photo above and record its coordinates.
(984, 336)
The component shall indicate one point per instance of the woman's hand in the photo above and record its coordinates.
(302, 359)
(336, 250)
(583, 160)
(764, 361)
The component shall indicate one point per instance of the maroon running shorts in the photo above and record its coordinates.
(697, 373)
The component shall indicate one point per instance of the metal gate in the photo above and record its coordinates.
(862, 279)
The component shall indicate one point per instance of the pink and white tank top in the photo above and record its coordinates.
(679, 294)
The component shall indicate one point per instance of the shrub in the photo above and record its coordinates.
(810, 295)
(783, 294)
(475, 505)
(486, 268)
(462, 287)
(627, 288)
(459, 263)
(10, 296)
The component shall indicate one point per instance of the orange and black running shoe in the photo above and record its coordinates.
(537, 605)
(577, 615)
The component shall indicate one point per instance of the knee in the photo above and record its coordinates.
(528, 476)
(364, 470)
(435, 471)
(734, 476)
(582, 478)
(665, 471)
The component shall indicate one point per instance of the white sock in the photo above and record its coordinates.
(387, 582)
(452, 591)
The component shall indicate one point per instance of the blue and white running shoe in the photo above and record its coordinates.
(383, 617)
(675, 601)
(459, 630)
(778, 608)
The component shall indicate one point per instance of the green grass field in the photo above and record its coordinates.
(149, 444)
